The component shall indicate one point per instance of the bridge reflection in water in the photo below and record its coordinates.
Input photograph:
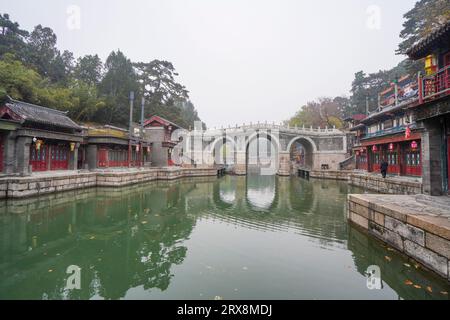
(235, 237)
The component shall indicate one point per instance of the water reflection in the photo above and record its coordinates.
(237, 237)
(261, 192)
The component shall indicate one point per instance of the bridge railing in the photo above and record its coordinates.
(281, 127)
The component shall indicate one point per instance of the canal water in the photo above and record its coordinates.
(255, 237)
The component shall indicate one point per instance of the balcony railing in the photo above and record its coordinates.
(435, 86)
(385, 132)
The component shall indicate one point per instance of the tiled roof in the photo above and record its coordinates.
(42, 115)
(422, 48)
(161, 120)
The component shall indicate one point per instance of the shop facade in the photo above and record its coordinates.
(432, 109)
(35, 138)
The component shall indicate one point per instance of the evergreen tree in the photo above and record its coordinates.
(426, 16)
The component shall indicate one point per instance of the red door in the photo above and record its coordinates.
(59, 157)
(102, 156)
(38, 158)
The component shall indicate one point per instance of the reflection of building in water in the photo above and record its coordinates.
(393, 272)
(120, 240)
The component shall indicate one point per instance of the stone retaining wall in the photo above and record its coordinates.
(388, 185)
(332, 175)
(415, 229)
(20, 187)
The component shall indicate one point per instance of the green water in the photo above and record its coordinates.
(234, 238)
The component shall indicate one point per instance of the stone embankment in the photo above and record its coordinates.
(373, 182)
(418, 226)
(49, 182)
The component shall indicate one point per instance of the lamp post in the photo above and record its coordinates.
(130, 127)
(141, 155)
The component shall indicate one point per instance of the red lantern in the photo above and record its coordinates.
(357, 153)
(414, 145)
(362, 150)
(391, 146)
(407, 133)
(374, 148)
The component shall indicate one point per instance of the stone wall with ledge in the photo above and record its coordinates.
(331, 174)
(388, 185)
(21, 187)
(415, 228)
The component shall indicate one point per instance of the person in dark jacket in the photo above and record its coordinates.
(384, 168)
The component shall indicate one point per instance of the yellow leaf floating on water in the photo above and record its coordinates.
(445, 293)
(218, 298)
(92, 237)
(144, 222)
(429, 289)
(388, 258)
(390, 249)
(417, 286)
(408, 282)
(416, 266)
(407, 265)
(50, 270)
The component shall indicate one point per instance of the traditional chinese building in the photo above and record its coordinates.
(432, 108)
(159, 132)
(391, 134)
(35, 138)
(358, 129)
(112, 147)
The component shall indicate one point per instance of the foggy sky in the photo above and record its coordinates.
(241, 60)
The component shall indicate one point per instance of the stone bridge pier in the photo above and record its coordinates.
(272, 149)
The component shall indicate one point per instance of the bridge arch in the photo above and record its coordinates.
(266, 163)
(301, 151)
(220, 142)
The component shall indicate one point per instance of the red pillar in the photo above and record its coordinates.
(129, 154)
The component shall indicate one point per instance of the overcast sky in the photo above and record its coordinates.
(241, 60)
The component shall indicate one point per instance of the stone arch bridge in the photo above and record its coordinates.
(274, 149)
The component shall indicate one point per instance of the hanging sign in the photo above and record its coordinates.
(408, 132)
(375, 148)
